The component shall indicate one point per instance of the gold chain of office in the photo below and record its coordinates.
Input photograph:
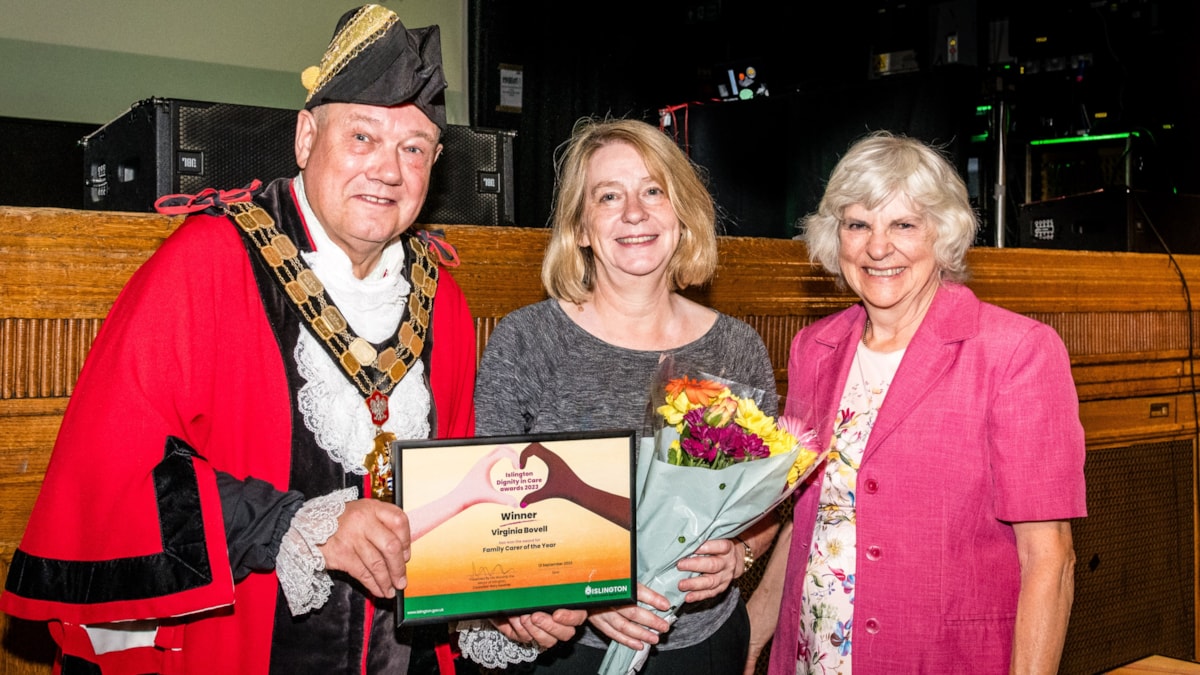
(370, 370)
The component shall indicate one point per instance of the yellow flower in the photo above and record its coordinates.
(750, 418)
(780, 441)
(804, 460)
(674, 408)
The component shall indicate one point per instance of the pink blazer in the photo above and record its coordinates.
(980, 429)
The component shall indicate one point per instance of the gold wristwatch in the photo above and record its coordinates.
(748, 554)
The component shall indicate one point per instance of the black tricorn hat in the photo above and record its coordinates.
(374, 60)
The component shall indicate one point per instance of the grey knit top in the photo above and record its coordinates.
(541, 372)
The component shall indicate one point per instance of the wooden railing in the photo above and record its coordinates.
(1124, 317)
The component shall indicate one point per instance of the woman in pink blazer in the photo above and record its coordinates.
(937, 539)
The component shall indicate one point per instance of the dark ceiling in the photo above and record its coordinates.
(1060, 67)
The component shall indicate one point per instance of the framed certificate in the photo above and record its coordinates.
(513, 524)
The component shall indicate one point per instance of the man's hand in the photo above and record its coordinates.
(372, 545)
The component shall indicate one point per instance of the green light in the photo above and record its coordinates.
(1084, 139)
(979, 138)
(983, 109)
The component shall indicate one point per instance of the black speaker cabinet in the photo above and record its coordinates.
(1112, 219)
(472, 182)
(171, 146)
(1134, 559)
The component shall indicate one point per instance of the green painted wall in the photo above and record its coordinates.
(87, 62)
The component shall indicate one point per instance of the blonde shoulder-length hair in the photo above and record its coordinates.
(568, 269)
(879, 167)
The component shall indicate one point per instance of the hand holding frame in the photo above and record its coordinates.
(562, 482)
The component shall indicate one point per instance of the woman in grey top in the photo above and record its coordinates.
(633, 224)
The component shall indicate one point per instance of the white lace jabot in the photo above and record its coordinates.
(332, 407)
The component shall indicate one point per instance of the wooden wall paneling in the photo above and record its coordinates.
(41, 358)
(27, 429)
(1101, 335)
(63, 263)
(1035, 280)
(500, 267)
(1129, 378)
(1110, 422)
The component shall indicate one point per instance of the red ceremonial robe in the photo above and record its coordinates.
(193, 373)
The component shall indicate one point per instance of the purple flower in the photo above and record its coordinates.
(720, 445)
(747, 446)
(698, 448)
(705, 442)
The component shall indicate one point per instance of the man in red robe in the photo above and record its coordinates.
(207, 508)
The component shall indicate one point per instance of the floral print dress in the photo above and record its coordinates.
(827, 606)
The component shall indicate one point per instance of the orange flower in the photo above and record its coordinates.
(699, 392)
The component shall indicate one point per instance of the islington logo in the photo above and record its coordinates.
(605, 590)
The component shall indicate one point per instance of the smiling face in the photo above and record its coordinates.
(628, 220)
(886, 256)
(366, 172)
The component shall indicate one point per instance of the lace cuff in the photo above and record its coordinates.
(299, 565)
(484, 644)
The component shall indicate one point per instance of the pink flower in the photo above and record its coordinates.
(720, 413)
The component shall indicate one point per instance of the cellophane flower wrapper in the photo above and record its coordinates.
(681, 507)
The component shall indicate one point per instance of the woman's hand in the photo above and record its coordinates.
(477, 486)
(717, 562)
(562, 482)
(546, 630)
(632, 625)
(763, 604)
(474, 488)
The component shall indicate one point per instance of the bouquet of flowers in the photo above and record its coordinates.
(710, 465)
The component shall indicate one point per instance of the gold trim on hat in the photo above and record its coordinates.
(361, 31)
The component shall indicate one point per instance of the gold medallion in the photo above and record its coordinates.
(379, 464)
